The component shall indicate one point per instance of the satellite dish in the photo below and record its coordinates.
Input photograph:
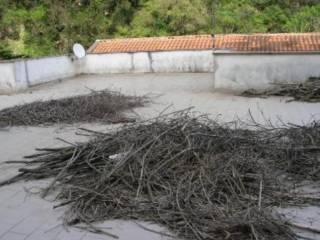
(79, 50)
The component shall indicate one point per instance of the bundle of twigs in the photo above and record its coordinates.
(308, 91)
(200, 179)
(103, 105)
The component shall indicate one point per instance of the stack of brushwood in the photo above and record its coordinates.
(200, 179)
(308, 91)
(106, 106)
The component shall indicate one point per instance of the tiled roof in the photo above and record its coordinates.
(233, 43)
(268, 43)
(192, 42)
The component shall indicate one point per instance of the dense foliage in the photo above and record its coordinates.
(47, 27)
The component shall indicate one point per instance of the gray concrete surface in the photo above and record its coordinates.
(179, 90)
(25, 216)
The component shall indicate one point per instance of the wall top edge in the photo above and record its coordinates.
(215, 52)
(160, 51)
(36, 58)
(225, 52)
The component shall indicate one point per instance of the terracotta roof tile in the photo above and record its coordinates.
(234, 43)
(192, 42)
(268, 43)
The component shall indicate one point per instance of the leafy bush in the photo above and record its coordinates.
(43, 27)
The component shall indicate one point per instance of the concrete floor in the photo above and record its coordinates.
(25, 216)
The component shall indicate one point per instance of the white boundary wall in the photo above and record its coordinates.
(107, 63)
(49, 69)
(231, 72)
(182, 61)
(148, 62)
(20, 74)
(238, 72)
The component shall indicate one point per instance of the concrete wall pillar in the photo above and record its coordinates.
(7, 77)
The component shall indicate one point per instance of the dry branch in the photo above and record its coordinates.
(308, 91)
(200, 179)
(106, 106)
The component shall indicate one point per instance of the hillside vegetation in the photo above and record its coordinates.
(31, 28)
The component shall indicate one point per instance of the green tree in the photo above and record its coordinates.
(238, 17)
(5, 52)
(46, 27)
(307, 19)
(176, 17)
(274, 18)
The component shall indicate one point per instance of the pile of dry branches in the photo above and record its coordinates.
(308, 91)
(200, 179)
(106, 106)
